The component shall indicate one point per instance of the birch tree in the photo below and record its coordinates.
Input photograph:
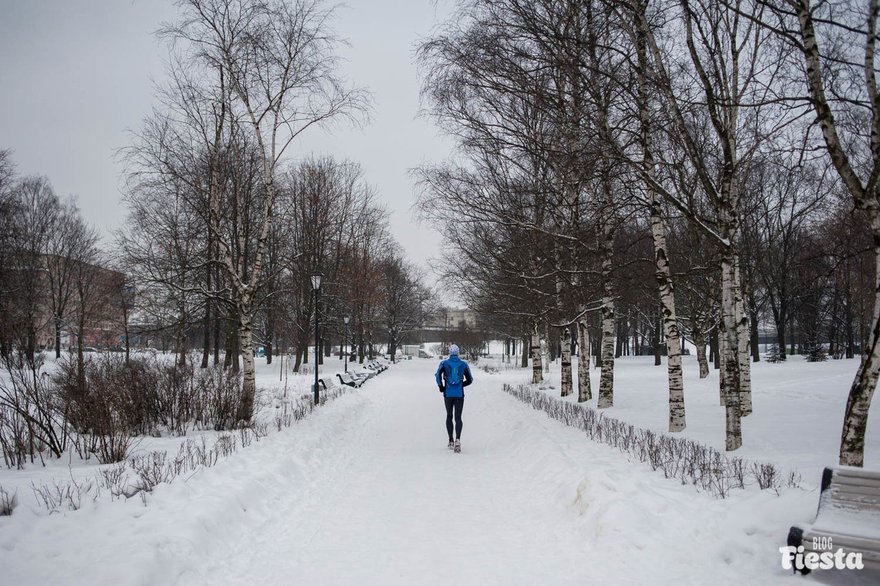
(837, 43)
(277, 66)
(731, 66)
(647, 118)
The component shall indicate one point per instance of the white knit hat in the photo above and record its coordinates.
(453, 350)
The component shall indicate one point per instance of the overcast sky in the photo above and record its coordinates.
(77, 75)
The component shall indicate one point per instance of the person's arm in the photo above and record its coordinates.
(468, 378)
(439, 377)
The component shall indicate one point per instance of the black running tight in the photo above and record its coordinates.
(454, 405)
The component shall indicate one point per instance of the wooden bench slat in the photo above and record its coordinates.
(857, 482)
(854, 493)
(843, 474)
(854, 488)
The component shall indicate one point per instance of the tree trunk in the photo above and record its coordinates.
(754, 339)
(524, 362)
(80, 356)
(714, 349)
(655, 342)
(297, 362)
(248, 379)
(565, 382)
(848, 314)
(206, 333)
(742, 334)
(537, 375)
(127, 334)
(236, 353)
(780, 338)
(270, 332)
(606, 378)
(700, 343)
(855, 419)
(663, 274)
(216, 335)
(58, 337)
(545, 349)
(729, 350)
(585, 392)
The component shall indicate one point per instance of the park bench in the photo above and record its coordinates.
(365, 373)
(848, 518)
(349, 379)
(377, 366)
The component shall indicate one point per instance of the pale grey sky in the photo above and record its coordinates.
(77, 75)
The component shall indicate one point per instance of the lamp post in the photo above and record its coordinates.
(316, 285)
(345, 345)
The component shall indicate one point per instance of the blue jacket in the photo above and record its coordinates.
(453, 375)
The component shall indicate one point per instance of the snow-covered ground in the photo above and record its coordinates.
(797, 418)
(364, 491)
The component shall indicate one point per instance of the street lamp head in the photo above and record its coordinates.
(316, 280)
(345, 320)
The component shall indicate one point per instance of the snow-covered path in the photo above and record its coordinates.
(527, 502)
(365, 491)
(391, 503)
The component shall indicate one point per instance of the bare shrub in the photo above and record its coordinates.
(8, 502)
(99, 405)
(52, 496)
(176, 396)
(223, 399)
(32, 419)
(156, 467)
(766, 475)
(226, 444)
(114, 479)
(151, 469)
(686, 460)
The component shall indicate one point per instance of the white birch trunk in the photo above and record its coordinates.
(606, 378)
(722, 390)
(677, 421)
(730, 371)
(545, 350)
(585, 392)
(700, 343)
(537, 376)
(565, 382)
(742, 332)
(249, 380)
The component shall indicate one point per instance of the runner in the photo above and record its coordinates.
(452, 376)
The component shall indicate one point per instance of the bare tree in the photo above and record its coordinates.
(69, 241)
(254, 77)
(8, 229)
(406, 301)
(37, 207)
